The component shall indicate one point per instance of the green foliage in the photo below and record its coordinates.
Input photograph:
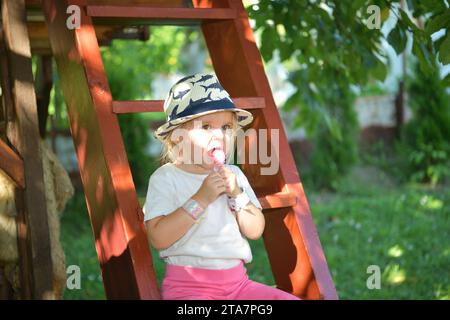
(436, 16)
(427, 135)
(335, 153)
(328, 48)
(79, 248)
(130, 67)
(135, 134)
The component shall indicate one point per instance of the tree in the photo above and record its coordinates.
(426, 137)
(332, 47)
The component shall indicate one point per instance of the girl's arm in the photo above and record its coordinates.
(163, 231)
(251, 221)
(250, 218)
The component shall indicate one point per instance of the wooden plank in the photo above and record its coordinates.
(18, 49)
(12, 134)
(40, 44)
(158, 105)
(11, 164)
(116, 217)
(291, 240)
(122, 13)
(278, 200)
(23, 247)
(12, 131)
(158, 3)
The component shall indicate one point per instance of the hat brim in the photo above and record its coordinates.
(243, 118)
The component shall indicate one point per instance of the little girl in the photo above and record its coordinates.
(199, 210)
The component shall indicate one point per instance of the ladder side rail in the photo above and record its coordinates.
(115, 213)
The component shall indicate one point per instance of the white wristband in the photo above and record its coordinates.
(238, 202)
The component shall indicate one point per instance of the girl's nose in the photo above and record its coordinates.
(217, 133)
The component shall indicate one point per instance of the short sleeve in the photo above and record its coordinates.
(245, 185)
(159, 199)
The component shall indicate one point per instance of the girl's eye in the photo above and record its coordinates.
(226, 127)
(206, 126)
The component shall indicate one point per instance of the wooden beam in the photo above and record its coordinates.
(12, 131)
(11, 164)
(40, 43)
(158, 105)
(122, 13)
(18, 49)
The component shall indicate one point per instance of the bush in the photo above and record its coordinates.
(335, 147)
(427, 136)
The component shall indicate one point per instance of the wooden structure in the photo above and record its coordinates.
(295, 253)
(21, 156)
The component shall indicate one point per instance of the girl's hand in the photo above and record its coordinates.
(212, 187)
(231, 186)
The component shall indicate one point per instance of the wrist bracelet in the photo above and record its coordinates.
(238, 202)
(193, 208)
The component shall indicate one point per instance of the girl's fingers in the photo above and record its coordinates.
(218, 180)
(214, 175)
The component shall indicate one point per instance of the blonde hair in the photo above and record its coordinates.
(167, 153)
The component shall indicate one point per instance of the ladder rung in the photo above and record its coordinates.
(278, 200)
(157, 105)
(152, 13)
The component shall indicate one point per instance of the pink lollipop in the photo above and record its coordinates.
(218, 156)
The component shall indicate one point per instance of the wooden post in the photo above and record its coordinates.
(24, 99)
(17, 175)
(116, 217)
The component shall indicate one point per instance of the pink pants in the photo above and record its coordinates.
(189, 283)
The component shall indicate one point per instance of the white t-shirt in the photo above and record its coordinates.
(215, 242)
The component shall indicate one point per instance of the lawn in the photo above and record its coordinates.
(403, 229)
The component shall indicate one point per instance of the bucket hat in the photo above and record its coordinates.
(194, 96)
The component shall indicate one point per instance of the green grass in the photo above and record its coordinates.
(403, 229)
(79, 247)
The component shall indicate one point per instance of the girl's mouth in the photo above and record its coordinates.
(217, 155)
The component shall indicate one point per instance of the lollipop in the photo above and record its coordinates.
(218, 156)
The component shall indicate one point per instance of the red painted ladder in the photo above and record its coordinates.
(295, 253)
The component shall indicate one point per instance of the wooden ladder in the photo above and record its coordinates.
(295, 253)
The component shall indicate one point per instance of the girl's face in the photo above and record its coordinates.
(204, 134)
